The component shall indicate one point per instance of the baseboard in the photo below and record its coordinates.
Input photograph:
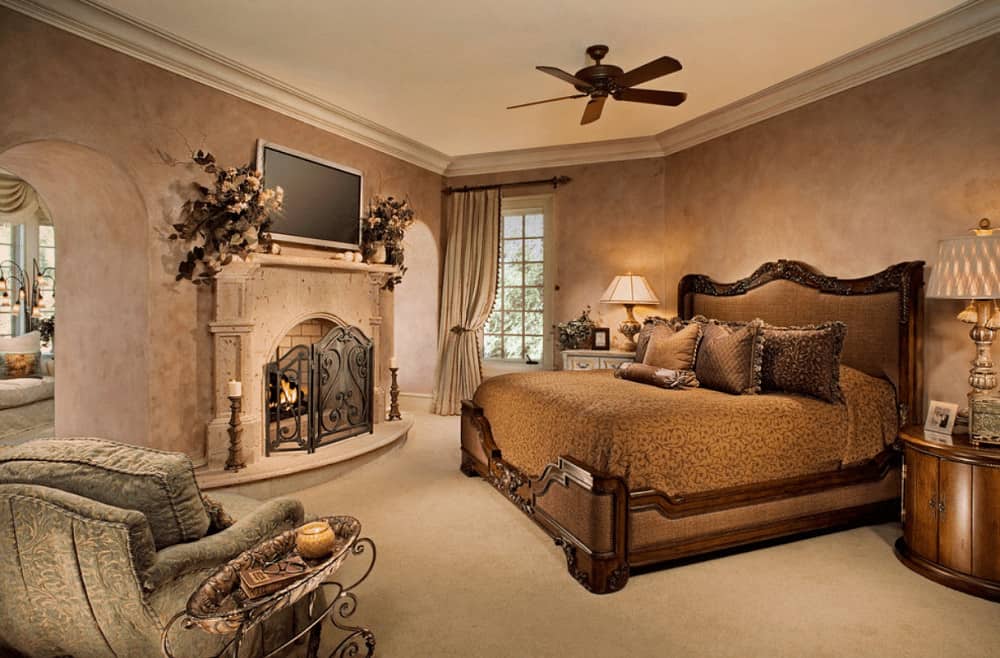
(420, 402)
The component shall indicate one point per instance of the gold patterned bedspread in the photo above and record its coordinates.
(683, 441)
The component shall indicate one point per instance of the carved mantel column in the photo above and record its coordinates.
(232, 330)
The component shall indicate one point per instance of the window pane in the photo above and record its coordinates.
(5, 233)
(46, 257)
(533, 274)
(533, 347)
(533, 250)
(512, 274)
(513, 347)
(493, 324)
(534, 226)
(6, 252)
(513, 250)
(533, 299)
(513, 298)
(492, 346)
(46, 236)
(533, 323)
(512, 226)
(513, 322)
(5, 324)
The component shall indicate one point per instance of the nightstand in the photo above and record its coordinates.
(594, 359)
(951, 512)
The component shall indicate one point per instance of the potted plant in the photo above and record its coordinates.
(384, 229)
(231, 219)
(577, 334)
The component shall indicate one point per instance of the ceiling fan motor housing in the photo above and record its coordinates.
(600, 76)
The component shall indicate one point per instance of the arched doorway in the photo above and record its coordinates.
(102, 388)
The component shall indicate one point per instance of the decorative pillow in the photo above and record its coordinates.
(159, 484)
(804, 360)
(662, 377)
(648, 325)
(14, 365)
(730, 355)
(673, 350)
(29, 342)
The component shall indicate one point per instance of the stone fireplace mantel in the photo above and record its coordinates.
(257, 302)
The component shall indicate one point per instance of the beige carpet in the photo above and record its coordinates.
(461, 572)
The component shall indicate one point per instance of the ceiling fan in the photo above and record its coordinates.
(602, 80)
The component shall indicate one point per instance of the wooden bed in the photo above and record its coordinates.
(605, 529)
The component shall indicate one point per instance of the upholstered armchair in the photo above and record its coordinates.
(102, 543)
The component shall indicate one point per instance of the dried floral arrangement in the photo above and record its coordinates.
(387, 221)
(578, 333)
(231, 219)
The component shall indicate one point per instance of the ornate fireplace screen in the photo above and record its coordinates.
(320, 394)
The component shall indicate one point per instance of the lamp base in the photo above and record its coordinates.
(629, 327)
(982, 376)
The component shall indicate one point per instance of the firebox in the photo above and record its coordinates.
(321, 393)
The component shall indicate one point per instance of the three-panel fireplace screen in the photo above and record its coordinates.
(320, 393)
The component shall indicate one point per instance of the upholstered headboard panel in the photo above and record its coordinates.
(882, 314)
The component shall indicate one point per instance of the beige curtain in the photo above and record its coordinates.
(471, 259)
(18, 201)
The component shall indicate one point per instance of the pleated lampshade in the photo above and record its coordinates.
(966, 268)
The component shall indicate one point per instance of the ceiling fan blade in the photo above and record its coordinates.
(551, 100)
(565, 77)
(592, 112)
(655, 69)
(653, 96)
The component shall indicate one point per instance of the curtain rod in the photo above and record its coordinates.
(555, 182)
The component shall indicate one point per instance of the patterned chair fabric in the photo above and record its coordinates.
(83, 575)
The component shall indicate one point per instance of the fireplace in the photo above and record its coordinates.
(319, 390)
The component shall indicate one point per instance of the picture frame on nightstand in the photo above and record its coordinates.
(602, 339)
(941, 417)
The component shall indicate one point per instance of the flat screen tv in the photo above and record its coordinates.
(322, 199)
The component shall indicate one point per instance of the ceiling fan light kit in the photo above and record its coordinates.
(599, 81)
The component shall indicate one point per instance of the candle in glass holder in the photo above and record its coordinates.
(234, 388)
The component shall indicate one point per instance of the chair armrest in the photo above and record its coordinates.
(113, 527)
(262, 522)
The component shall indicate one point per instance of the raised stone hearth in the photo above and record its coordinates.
(272, 302)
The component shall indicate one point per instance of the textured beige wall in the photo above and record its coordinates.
(872, 176)
(60, 87)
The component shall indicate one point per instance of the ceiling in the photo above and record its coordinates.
(442, 72)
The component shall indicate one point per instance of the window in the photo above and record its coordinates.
(516, 329)
(47, 265)
(6, 254)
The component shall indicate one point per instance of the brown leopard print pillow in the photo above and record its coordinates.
(804, 360)
(14, 365)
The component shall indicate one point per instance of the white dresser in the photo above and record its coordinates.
(594, 359)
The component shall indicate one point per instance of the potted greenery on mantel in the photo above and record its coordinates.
(232, 219)
(384, 229)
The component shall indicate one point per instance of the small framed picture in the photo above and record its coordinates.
(602, 338)
(941, 417)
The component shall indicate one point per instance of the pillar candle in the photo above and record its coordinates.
(392, 362)
(235, 388)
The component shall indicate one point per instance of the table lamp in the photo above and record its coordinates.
(968, 268)
(629, 289)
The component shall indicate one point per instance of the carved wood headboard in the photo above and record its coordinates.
(883, 313)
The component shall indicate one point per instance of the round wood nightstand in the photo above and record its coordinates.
(951, 511)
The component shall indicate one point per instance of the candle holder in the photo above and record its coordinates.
(235, 461)
(394, 397)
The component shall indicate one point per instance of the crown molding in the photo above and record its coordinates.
(91, 20)
(968, 22)
(635, 148)
(107, 27)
